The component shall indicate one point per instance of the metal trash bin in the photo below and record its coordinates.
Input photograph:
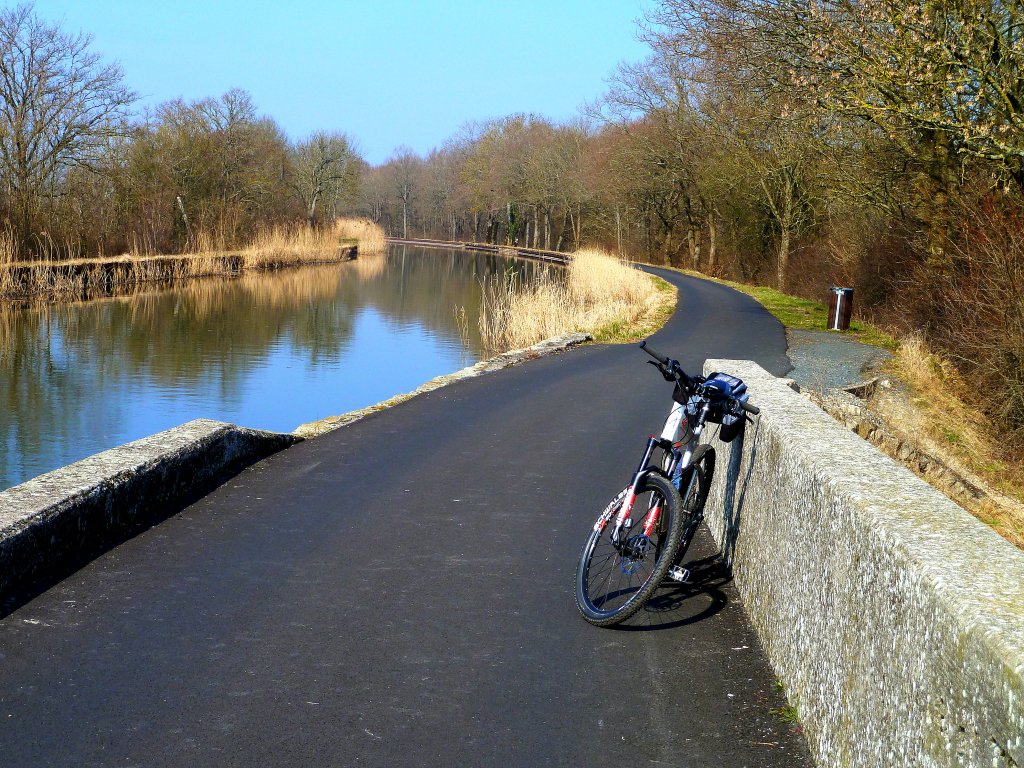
(840, 309)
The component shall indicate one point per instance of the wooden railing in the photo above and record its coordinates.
(553, 257)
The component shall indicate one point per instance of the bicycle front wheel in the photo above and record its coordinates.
(614, 579)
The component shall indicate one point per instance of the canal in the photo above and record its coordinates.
(264, 350)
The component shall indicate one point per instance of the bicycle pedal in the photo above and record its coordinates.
(679, 574)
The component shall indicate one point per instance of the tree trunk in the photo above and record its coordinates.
(712, 238)
(618, 231)
(667, 248)
(783, 258)
(939, 181)
(312, 212)
(693, 243)
(566, 221)
(783, 208)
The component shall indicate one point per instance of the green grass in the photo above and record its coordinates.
(807, 315)
(786, 714)
(952, 436)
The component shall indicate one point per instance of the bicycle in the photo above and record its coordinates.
(642, 536)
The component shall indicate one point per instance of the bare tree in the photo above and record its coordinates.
(951, 69)
(60, 106)
(325, 167)
(406, 165)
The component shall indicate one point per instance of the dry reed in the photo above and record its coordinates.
(369, 235)
(599, 293)
(61, 275)
(946, 420)
(936, 383)
(285, 246)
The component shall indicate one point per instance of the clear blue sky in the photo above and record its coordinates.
(385, 72)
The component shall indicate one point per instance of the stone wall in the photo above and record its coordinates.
(54, 523)
(894, 619)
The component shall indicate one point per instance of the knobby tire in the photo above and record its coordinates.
(694, 485)
(605, 575)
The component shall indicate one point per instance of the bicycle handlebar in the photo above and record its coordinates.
(663, 359)
(672, 368)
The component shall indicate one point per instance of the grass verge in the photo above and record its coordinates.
(598, 294)
(947, 422)
(804, 314)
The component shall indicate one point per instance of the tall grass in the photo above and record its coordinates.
(284, 246)
(946, 419)
(63, 274)
(370, 236)
(937, 387)
(599, 293)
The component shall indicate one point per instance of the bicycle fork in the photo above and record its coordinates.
(651, 520)
(628, 496)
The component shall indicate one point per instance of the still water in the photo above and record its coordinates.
(265, 350)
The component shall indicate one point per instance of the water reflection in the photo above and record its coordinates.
(264, 350)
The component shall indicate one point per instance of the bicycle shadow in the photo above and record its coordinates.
(737, 481)
(677, 605)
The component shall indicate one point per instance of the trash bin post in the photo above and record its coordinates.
(840, 308)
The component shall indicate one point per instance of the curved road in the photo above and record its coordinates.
(399, 592)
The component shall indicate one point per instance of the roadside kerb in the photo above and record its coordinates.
(51, 524)
(893, 617)
(504, 360)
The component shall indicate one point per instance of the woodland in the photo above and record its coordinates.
(794, 143)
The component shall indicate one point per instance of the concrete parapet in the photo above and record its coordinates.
(51, 524)
(893, 617)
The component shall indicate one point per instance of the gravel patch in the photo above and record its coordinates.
(824, 360)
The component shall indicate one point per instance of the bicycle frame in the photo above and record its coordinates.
(677, 460)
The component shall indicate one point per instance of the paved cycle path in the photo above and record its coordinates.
(400, 593)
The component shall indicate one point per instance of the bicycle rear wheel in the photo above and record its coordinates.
(615, 579)
(693, 487)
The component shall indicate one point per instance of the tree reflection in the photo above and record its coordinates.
(79, 378)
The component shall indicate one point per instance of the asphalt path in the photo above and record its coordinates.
(400, 593)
